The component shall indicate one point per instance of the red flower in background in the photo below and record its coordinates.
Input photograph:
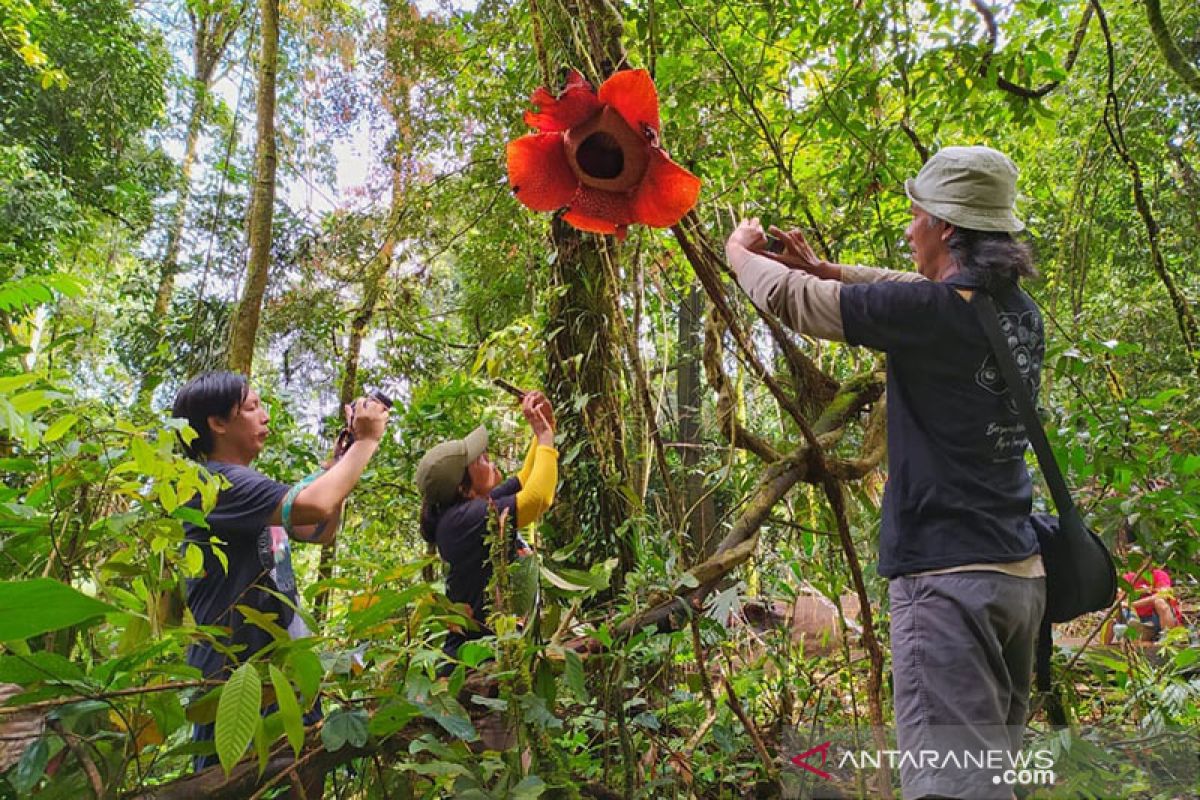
(597, 156)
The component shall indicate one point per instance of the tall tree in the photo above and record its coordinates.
(399, 44)
(244, 326)
(584, 373)
(213, 28)
(699, 508)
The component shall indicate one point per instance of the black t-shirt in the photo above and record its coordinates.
(260, 564)
(958, 490)
(459, 534)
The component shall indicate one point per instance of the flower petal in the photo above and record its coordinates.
(539, 173)
(599, 211)
(576, 104)
(631, 92)
(667, 192)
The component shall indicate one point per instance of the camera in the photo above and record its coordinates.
(774, 244)
(346, 437)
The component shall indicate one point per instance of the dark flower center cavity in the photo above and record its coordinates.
(600, 156)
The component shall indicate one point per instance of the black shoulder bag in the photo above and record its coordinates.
(1080, 576)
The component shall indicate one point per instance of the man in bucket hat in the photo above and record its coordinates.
(966, 581)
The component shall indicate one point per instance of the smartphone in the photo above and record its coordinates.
(508, 387)
(774, 244)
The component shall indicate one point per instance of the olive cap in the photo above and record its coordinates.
(441, 469)
(969, 187)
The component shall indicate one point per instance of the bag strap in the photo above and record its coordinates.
(985, 307)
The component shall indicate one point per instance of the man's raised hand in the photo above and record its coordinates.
(368, 419)
(798, 254)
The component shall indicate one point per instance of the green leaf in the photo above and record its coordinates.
(36, 668)
(29, 608)
(304, 667)
(31, 767)
(237, 715)
(289, 709)
(193, 559)
(59, 428)
(523, 578)
(441, 708)
(561, 582)
(345, 726)
(262, 743)
(573, 673)
(392, 717)
(264, 620)
(474, 653)
(28, 402)
(530, 787)
(534, 710)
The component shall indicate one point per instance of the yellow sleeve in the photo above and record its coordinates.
(527, 467)
(536, 494)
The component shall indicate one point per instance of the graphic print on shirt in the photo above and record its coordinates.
(1024, 334)
(275, 557)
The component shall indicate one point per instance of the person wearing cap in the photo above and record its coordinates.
(966, 581)
(459, 484)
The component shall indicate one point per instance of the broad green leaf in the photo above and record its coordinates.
(237, 715)
(289, 709)
(392, 717)
(193, 559)
(529, 788)
(475, 653)
(304, 667)
(562, 583)
(167, 496)
(441, 708)
(59, 428)
(41, 605)
(27, 670)
(573, 672)
(262, 744)
(345, 726)
(524, 582)
(264, 620)
(10, 383)
(31, 767)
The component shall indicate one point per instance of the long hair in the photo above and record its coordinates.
(995, 257)
(210, 394)
(431, 512)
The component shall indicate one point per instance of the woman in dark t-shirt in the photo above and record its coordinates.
(459, 484)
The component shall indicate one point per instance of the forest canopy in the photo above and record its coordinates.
(316, 195)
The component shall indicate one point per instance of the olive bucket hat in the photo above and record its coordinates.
(441, 469)
(969, 187)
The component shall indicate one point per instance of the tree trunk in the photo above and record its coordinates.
(211, 34)
(372, 288)
(244, 327)
(583, 381)
(699, 509)
(584, 369)
(398, 81)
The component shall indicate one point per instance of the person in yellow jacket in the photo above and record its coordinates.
(458, 483)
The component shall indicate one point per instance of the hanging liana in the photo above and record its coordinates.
(597, 156)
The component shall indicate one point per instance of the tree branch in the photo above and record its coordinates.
(1174, 57)
(1039, 92)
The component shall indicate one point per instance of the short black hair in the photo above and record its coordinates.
(210, 394)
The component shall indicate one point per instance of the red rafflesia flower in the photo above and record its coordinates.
(597, 156)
